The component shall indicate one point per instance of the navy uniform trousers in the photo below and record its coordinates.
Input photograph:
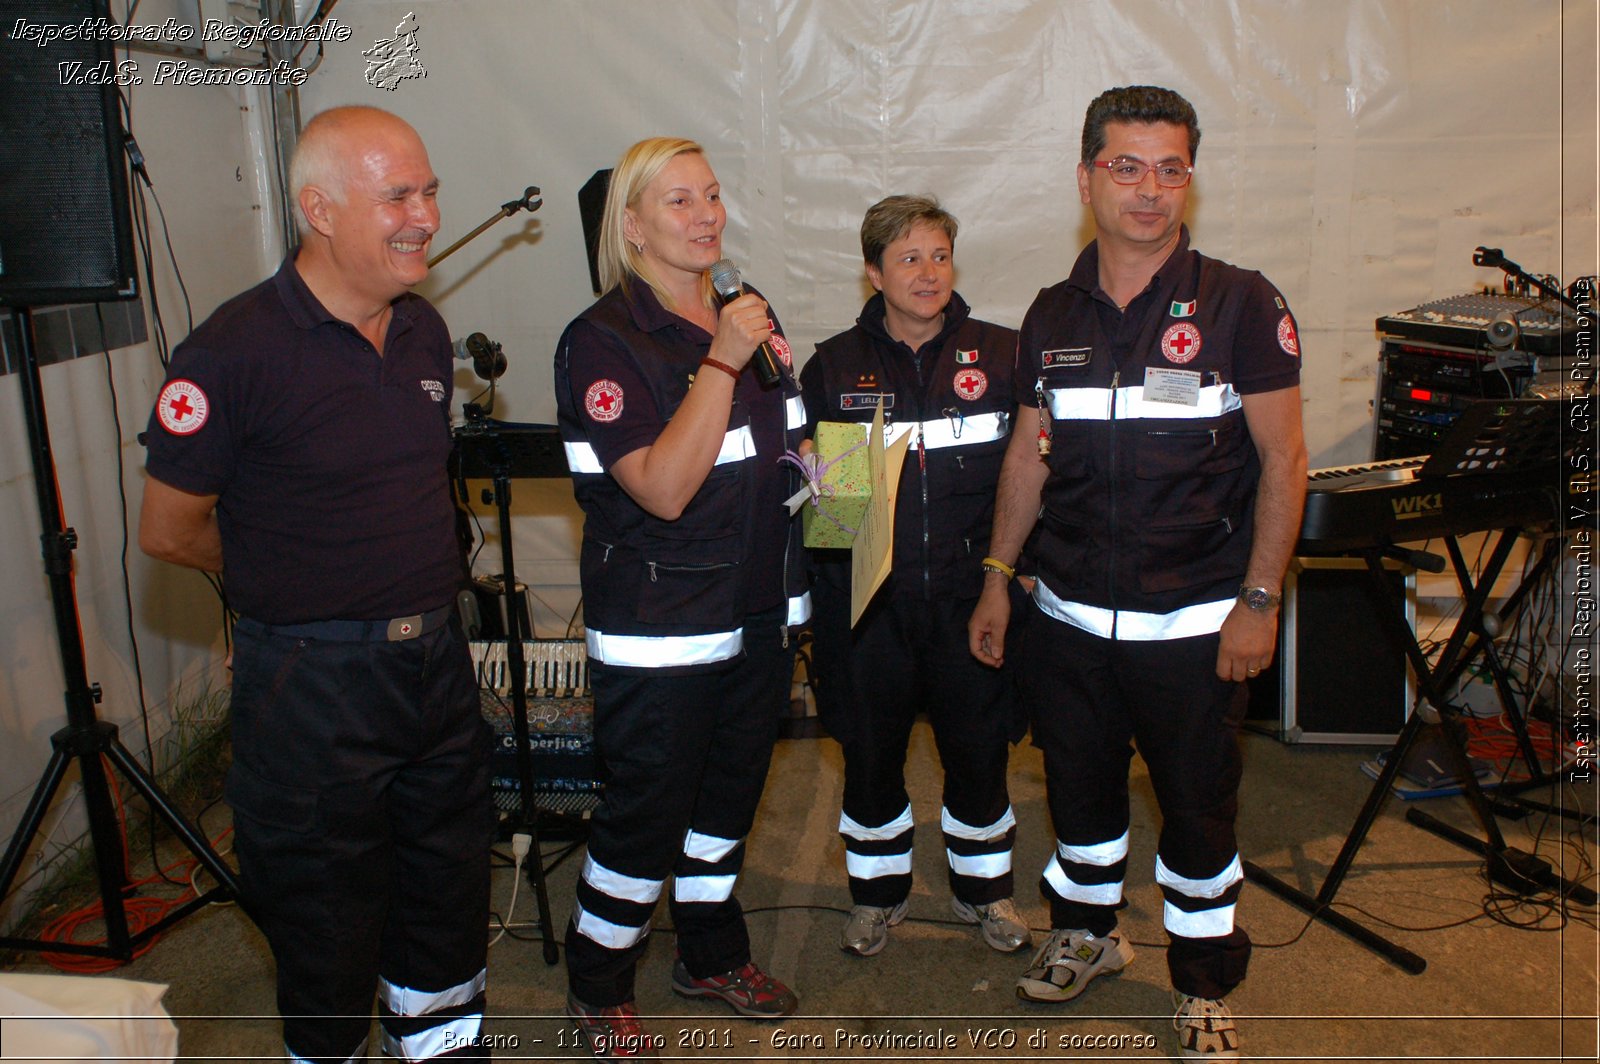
(1089, 700)
(685, 758)
(906, 656)
(362, 823)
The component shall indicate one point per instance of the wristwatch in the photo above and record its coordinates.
(1260, 599)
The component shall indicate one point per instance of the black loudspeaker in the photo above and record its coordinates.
(591, 205)
(1337, 677)
(66, 235)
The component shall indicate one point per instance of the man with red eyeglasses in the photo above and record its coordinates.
(1159, 450)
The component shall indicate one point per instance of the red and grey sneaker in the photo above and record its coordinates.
(751, 991)
(614, 1033)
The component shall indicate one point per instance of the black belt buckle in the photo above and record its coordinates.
(403, 628)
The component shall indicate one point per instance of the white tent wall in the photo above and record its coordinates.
(209, 155)
(1355, 151)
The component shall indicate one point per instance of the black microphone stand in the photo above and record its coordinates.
(1494, 257)
(516, 662)
(86, 740)
(482, 450)
(529, 202)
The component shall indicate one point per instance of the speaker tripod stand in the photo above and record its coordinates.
(86, 741)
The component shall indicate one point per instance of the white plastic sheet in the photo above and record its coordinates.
(1355, 151)
(56, 1017)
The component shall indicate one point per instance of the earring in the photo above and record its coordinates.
(639, 247)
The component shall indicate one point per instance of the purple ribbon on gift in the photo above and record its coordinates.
(814, 477)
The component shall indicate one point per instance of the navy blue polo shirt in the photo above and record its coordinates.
(328, 460)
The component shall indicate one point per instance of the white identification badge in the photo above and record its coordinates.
(1164, 385)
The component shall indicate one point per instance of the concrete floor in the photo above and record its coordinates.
(1489, 991)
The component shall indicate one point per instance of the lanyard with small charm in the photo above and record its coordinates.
(1044, 419)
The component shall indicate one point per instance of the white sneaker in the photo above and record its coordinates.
(1002, 925)
(1068, 961)
(1205, 1027)
(867, 930)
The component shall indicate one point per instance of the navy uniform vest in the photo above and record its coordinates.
(1147, 517)
(954, 396)
(673, 594)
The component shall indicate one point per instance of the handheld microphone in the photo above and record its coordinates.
(488, 361)
(725, 279)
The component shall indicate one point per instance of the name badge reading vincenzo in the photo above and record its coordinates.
(1178, 386)
(1065, 356)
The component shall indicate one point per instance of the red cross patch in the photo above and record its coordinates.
(1181, 342)
(603, 400)
(182, 407)
(971, 383)
(780, 346)
(1287, 338)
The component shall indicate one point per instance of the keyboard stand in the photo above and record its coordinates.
(1520, 871)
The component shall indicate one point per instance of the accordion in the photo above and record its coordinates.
(565, 770)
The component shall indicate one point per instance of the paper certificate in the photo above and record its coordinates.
(872, 553)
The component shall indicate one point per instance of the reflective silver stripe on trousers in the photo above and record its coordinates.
(604, 932)
(1203, 618)
(951, 826)
(708, 848)
(661, 651)
(1094, 404)
(1099, 854)
(617, 885)
(1207, 923)
(435, 1041)
(794, 413)
(980, 865)
(874, 866)
(1088, 893)
(737, 445)
(405, 1001)
(1214, 887)
(893, 829)
(714, 889)
(952, 431)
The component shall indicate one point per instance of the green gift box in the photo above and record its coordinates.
(833, 518)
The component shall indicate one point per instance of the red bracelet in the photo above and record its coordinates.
(723, 366)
